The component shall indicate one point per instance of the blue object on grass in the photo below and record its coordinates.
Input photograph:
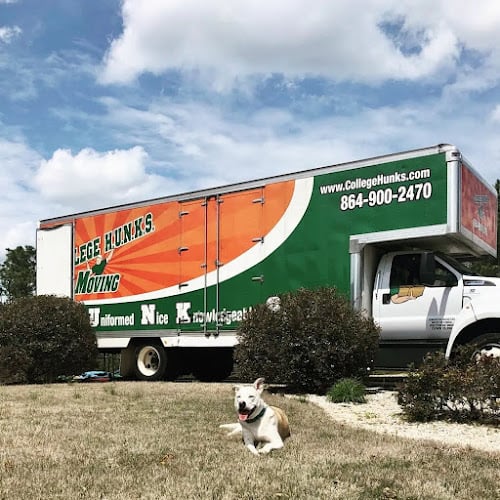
(94, 376)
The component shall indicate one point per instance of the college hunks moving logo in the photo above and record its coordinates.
(93, 257)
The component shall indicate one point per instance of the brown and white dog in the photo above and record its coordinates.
(259, 423)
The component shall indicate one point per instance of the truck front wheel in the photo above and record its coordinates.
(150, 361)
(488, 345)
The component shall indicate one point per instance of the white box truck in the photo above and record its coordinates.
(166, 281)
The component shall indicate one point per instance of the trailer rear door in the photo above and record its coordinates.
(54, 261)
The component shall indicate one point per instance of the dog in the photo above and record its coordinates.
(259, 423)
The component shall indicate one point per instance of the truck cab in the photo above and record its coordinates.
(425, 301)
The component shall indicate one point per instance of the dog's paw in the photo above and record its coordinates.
(232, 428)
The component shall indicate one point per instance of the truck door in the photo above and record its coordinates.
(236, 223)
(192, 263)
(215, 235)
(407, 309)
(54, 261)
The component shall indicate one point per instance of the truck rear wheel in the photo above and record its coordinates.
(150, 361)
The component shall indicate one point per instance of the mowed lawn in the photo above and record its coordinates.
(135, 440)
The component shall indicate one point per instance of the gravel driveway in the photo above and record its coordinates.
(381, 413)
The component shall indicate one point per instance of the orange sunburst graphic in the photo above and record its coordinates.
(143, 249)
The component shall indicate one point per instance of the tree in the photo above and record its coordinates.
(18, 272)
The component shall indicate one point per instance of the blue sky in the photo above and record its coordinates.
(104, 102)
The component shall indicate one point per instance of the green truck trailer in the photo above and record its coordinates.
(166, 281)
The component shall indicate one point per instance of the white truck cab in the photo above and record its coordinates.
(428, 301)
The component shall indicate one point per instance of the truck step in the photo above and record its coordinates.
(385, 381)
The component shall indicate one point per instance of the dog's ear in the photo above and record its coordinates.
(259, 384)
(236, 387)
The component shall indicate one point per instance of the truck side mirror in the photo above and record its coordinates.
(427, 268)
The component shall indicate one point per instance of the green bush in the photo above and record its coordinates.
(13, 363)
(313, 340)
(347, 390)
(44, 337)
(465, 389)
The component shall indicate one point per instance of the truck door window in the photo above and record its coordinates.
(405, 270)
(405, 281)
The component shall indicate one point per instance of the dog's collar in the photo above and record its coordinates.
(254, 419)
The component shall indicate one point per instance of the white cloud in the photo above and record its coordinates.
(474, 24)
(198, 145)
(337, 39)
(343, 40)
(495, 114)
(90, 179)
(18, 205)
(7, 33)
(17, 162)
(34, 188)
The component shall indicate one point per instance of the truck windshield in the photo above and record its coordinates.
(461, 268)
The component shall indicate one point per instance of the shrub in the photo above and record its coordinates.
(44, 337)
(13, 363)
(347, 390)
(462, 390)
(313, 340)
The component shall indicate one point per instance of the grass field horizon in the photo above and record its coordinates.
(139, 440)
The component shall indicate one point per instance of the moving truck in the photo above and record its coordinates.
(166, 281)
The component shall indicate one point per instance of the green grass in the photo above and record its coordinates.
(347, 390)
(133, 440)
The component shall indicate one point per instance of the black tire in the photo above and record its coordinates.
(150, 361)
(213, 364)
(488, 344)
(127, 363)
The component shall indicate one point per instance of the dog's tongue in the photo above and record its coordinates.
(243, 416)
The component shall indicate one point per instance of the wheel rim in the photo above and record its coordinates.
(148, 361)
(492, 349)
